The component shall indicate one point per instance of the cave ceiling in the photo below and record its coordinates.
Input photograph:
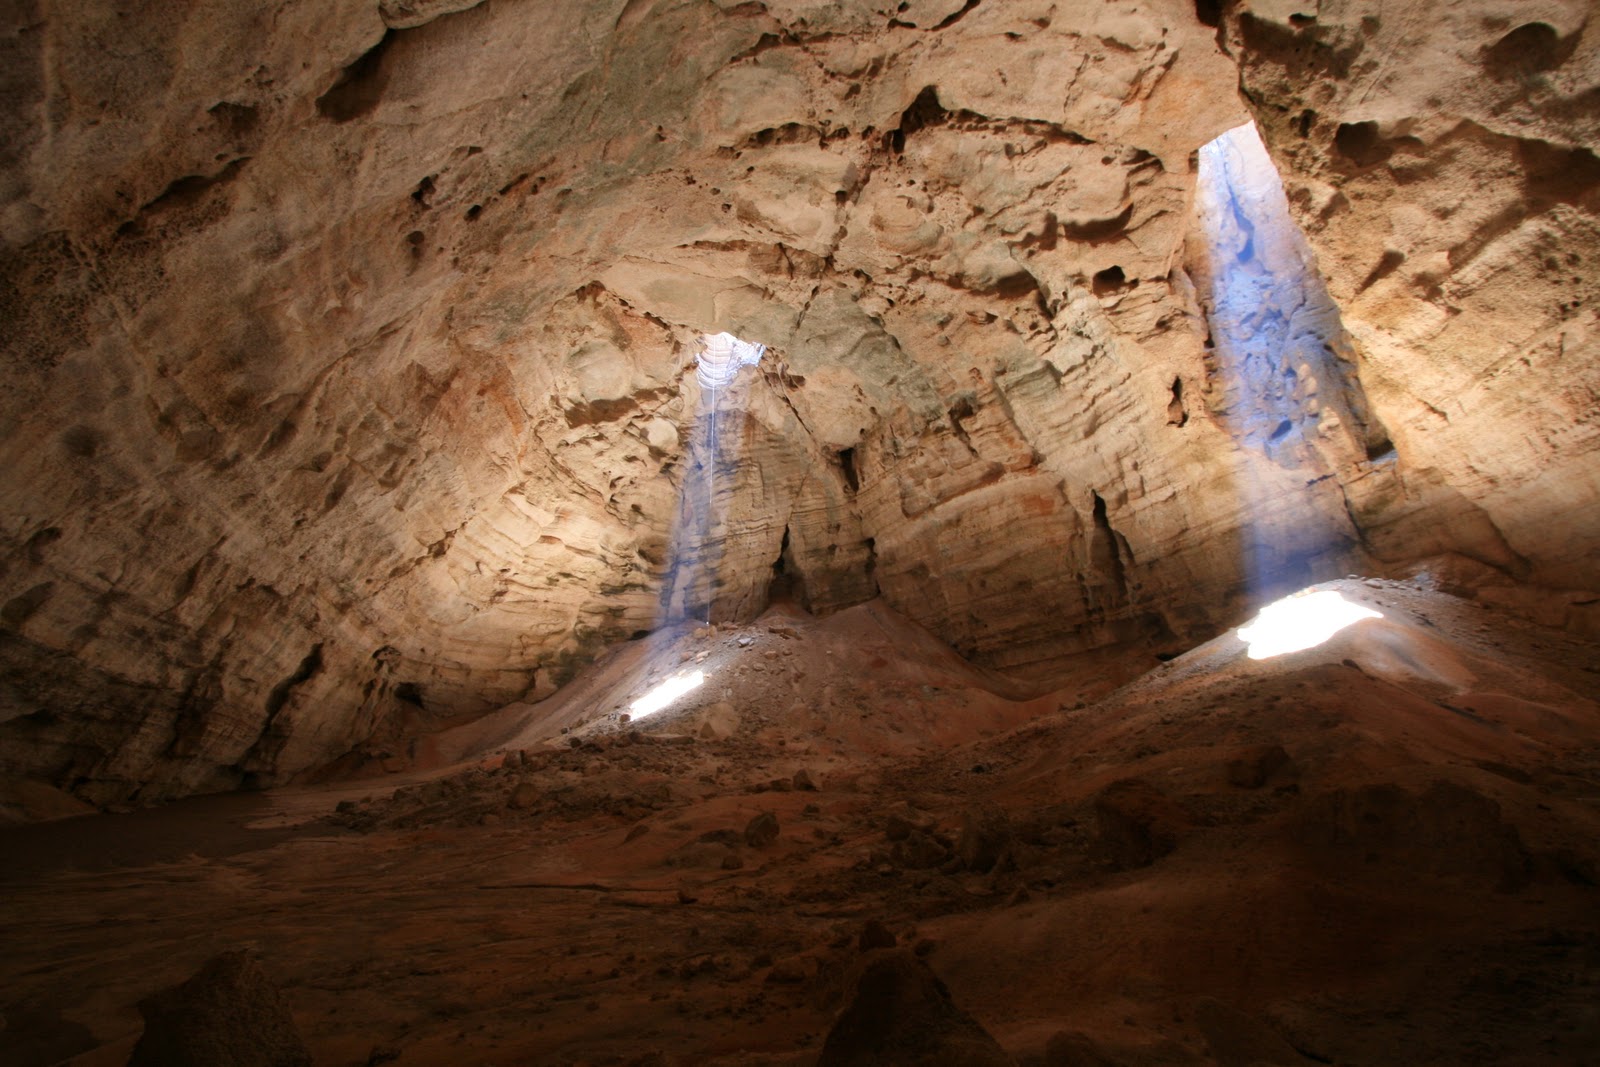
(349, 384)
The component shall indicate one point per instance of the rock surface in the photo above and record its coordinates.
(1442, 163)
(1364, 911)
(900, 1013)
(348, 385)
(228, 1015)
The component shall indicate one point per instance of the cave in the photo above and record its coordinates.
(1034, 532)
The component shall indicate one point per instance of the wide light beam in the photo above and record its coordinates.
(1302, 621)
(665, 693)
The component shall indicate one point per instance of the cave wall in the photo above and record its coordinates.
(349, 384)
(1441, 160)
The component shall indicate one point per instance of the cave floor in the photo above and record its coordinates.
(1383, 850)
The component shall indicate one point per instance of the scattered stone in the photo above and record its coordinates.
(345, 806)
(523, 797)
(761, 830)
(230, 1014)
(701, 854)
(637, 831)
(900, 1013)
(902, 818)
(686, 897)
(875, 935)
(789, 971)
(803, 781)
(488, 818)
(984, 842)
(1138, 823)
(718, 722)
(918, 851)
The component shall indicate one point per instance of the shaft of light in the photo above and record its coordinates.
(1304, 620)
(665, 693)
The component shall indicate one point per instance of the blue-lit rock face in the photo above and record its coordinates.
(1280, 373)
(1283, 375)
(1443, 166)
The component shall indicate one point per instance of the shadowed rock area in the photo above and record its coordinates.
(228, 1015)
(899, 1012)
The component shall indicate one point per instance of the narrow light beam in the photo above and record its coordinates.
(665, 693)
(1301, 621)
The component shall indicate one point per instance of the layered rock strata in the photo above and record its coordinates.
(349, 379)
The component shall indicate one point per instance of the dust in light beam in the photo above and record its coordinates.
(665, 693)
(1301, 621)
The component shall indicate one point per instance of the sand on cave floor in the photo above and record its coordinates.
(1383, 850)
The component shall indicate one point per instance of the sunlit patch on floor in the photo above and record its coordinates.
(1301, 621)
(665, 693)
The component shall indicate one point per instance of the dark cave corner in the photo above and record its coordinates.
(259, 763)
(786, 586)
(847, 467)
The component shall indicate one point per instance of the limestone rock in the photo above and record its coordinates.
(1257, 765)
(900, 1013)
(918, 851)
(1447, 830)
(1138, 823)
(985, 840)
(762, 830)
(524, 796)
(228, 1015)
(1444, 170)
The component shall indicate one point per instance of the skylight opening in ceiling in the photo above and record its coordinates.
(724, 354)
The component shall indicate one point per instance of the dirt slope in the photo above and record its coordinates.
(1378, 851)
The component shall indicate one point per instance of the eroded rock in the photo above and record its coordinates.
(900, 1013)
(228, 1015)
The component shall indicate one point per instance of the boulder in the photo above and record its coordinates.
(230, 1014)
(900, 1013)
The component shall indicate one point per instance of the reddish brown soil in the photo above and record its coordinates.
(1380, 851)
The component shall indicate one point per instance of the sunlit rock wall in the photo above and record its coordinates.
(1442, 161)
(348, 385)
